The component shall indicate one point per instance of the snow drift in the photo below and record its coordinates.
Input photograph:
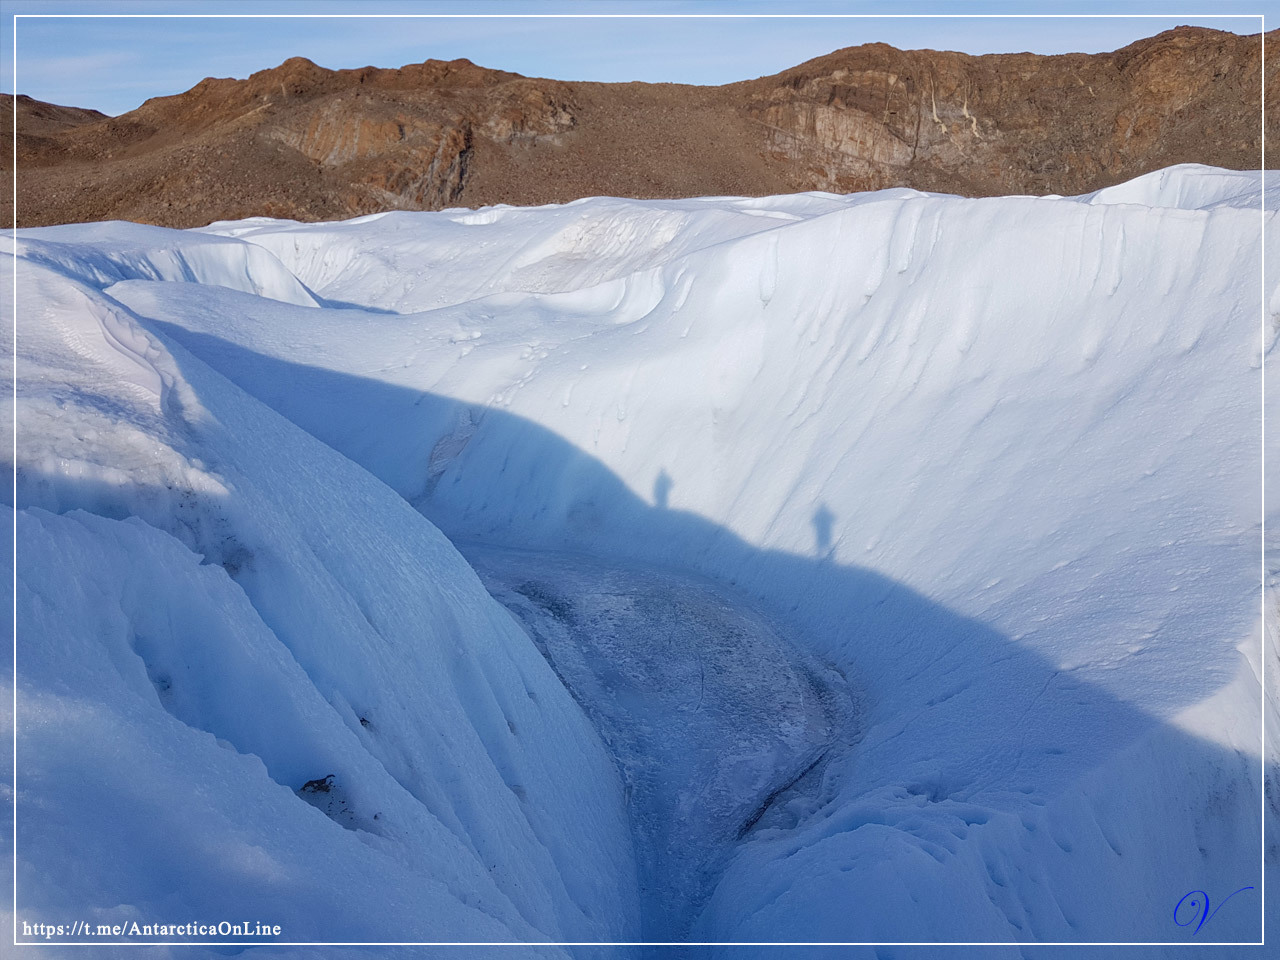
(993, 463)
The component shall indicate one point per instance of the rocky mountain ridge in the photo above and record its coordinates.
(307, 143)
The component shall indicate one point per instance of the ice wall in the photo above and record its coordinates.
(253, 682)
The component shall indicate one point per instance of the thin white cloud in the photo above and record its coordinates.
(86, 63)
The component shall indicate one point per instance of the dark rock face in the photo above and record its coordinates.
(307, 143)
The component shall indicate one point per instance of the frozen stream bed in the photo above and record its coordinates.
(718, 723)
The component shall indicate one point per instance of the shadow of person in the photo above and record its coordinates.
(662, 485)
(823, 520)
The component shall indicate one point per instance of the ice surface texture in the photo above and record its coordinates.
(996, 462)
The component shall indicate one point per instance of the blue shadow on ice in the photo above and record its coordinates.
(958, 716)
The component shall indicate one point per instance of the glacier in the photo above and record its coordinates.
(878, 569)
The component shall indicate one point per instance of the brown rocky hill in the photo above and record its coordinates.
(308, 143)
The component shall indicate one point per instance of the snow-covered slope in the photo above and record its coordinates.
(994, 463)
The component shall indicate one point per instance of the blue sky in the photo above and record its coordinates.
(115, 64)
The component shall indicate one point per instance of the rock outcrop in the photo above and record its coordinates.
(874, 116)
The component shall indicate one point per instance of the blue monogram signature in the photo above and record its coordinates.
(1197, 904)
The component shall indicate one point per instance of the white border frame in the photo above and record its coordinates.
(244, 942)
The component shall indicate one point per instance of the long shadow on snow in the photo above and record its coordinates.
(957, 714)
